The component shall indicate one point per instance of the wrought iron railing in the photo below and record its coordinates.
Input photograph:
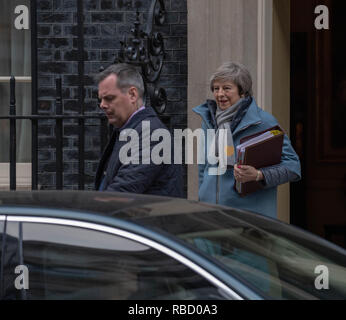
(59, 117)
(145, 49)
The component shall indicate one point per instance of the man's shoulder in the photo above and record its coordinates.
(150, 116)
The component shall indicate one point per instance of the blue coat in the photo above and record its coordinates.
(220, 189)
(113, 175)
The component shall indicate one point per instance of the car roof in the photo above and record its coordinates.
(125, 206)
(103, 203)
(173, 215)
(140, 209)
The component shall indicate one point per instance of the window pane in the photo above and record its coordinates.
(276, 266)
(10, 260)
(74, 263)
(15, 59)
(15, 45)
(276, 261)
(1, 262)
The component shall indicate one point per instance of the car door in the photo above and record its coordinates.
(65, 259)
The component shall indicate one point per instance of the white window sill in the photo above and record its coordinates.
(23, 176)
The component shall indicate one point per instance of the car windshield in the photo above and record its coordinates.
(277, 261)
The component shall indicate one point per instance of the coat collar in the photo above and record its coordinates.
(144, 114)
(207, 112)
(147, 112)
(208, 109)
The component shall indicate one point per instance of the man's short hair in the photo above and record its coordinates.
(127, 76)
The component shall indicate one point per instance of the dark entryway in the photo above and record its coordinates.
(318, 118)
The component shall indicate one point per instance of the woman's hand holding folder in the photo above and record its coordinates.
(261, 150)
(243, 174)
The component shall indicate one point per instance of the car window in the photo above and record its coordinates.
(277, 267)
(67, 262)
(274, 260)
(9, 257)
(2, 225)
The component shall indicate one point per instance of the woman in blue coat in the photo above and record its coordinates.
(235, 110)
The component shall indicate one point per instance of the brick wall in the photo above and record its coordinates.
(105, 24)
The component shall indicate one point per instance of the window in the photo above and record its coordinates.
(2, 225)
(276, 266)
(73, 263)
(15, 59)
(274, 260)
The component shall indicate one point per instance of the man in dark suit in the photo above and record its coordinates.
(121, 91)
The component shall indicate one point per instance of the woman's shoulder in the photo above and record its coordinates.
(205, 107)
(267, 118)
(255, 114)
(207, 112)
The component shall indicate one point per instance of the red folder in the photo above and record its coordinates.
(262, 154)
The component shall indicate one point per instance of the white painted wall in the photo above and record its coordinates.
(253, 32)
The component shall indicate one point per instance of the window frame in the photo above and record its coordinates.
(137, 238)
(26, 172)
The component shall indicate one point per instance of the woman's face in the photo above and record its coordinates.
(226, 94)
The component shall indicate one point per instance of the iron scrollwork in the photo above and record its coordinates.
(146, 50)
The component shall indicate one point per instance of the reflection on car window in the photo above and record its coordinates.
(87, 264)
(275, 266)
(9, 260)
(258, 253)
(2, 230)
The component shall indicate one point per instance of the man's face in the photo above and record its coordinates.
(118, 105)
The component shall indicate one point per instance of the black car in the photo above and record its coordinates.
(92, 245)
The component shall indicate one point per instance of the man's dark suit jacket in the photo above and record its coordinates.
(164, 179)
